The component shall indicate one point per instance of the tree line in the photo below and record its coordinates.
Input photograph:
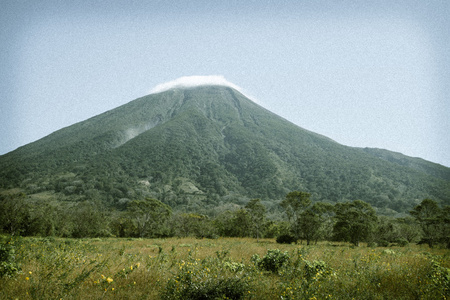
(304, 221)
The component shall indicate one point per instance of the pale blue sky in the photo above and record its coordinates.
(364, 73)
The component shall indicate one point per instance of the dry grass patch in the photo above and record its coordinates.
(187, 268)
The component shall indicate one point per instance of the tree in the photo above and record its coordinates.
(121, 225)
(192, 224)
(385, 231)
(149, 216)
(88, 221)
(354, 221)
(240, 223)
(257, 212)
(408, 229)
(315, 222)
(233, 223)
(326, 213)
(294, 204)
(427, 214)
(20, 216)
(309, 224)
(445, 221)
(14, 213)
(43, 216)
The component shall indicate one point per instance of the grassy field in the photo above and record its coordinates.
(188, 268)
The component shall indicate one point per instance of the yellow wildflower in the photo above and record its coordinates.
(27, 278)
(109, 280)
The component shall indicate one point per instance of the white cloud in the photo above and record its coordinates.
(194, 81)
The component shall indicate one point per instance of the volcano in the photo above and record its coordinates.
(205, 146)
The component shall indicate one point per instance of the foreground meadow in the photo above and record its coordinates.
(189, 268)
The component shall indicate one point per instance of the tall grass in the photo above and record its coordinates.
(188, 268)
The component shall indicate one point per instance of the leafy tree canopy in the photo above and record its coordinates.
(354, 221)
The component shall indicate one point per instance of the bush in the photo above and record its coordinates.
(286, 239)
(8, 263)
(211, 236)
(272, 261)
(209, 279)
(383, 243)
(316, 269)
(440, 279)
(222, 288)
(402, 242)
(372, 244)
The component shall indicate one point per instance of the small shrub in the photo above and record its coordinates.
(389, 252)
(383, 243)
(211, 236)
(272, 261)
(402, 242)
(372, 244)
(8, 264)
(208, 279)
(221, 254)
(234, 266)
(316, 269)
(440, 279)
(286, 239)
(212, 288)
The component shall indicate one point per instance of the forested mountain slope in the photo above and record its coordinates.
(195, 148)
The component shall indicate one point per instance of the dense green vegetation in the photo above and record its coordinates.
(202, 150)
(353, 222)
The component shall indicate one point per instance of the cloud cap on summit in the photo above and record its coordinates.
(194, 81)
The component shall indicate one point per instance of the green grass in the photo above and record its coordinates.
(188, 268)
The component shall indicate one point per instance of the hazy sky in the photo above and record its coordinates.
(364, 73)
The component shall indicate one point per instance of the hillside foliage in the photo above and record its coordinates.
(200, 149)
